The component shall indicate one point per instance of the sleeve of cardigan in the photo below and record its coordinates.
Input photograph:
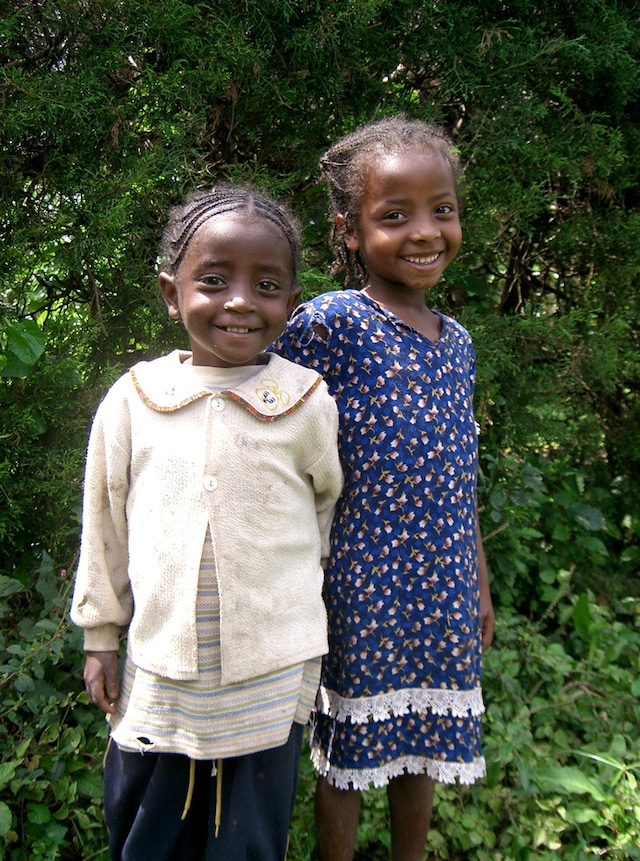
(102, 603)
(325, 471)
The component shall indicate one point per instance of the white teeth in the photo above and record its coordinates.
(423, 260)
(237, 329)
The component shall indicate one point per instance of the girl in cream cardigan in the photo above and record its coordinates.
(210, 486)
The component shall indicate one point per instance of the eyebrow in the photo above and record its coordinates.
(208, 262)
(397, 201)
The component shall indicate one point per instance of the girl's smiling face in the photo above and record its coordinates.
(233, 289)
(408, 229)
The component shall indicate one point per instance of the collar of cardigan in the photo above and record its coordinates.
(277, 389)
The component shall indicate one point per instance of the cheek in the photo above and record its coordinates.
(455, 237)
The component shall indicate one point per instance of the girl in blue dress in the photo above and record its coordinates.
(406, 587)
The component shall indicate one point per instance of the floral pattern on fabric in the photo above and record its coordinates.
(401, 683)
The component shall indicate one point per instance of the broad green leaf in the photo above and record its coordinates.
(9, 586)
(90, 784)
(25, 340)
(7, 772)
(13, 367)
(38, 814)
(5, 819)
(568, 781)
(588, 517)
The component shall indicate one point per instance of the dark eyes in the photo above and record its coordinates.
(212, 281)
(398, 215)
(268, 286)
(216, 282)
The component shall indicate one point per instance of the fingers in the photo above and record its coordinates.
(101, 680)
(488, 627)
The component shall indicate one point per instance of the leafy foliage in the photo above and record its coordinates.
(110, 112)
(563, 756)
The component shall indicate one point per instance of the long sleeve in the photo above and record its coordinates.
(102, 602)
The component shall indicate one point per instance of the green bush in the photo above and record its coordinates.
(561, 743)
(51, 741)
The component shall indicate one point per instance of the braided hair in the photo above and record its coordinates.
(346, 166)
(184, 220)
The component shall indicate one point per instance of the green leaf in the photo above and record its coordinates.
(38, 814)
(24, 683)
(25, 341)
(13, 367)
(593, 544)
(582, 616)
(7, 772)
(5, 818)
(568, 781)
(9, 586)
(588, 517)
(466, 281)
(90, 784)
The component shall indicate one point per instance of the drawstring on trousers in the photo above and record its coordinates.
(192, 779)
(218, 796)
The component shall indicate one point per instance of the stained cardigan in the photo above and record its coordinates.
(255, 464)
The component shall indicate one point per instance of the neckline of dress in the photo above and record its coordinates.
(398, 320)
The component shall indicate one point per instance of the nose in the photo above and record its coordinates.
(425, 228)
(239, 303)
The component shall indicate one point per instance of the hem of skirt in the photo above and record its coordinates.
(364, 778)
(385, 706)
(197, 749)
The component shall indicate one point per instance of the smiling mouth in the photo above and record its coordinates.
(237, 330)
(422, 260)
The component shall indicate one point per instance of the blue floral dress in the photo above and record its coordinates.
(400, 688)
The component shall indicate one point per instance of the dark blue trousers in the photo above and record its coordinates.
(145, 795)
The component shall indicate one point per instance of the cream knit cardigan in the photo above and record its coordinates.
(258, 466)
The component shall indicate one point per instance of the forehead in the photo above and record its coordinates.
(408, 173)
(237, 236)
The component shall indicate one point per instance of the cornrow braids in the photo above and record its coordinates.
(347, 164)
(184, 220)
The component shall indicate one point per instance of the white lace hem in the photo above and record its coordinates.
(385, 706)
(363, 778)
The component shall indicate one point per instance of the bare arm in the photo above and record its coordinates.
(101, 679)
(487, 614)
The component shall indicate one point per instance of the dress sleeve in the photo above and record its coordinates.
(307, 338)
(102, 602)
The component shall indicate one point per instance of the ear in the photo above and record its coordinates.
(170, 294)
(294, 295)
(345, 228)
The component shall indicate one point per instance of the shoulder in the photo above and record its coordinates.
(163, 385)
(277, 389)
(335, 302)
(285, 369)
(329, 316)
(157, 369)
(455, 330)
(127, 391)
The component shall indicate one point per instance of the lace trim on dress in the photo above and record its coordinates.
(364, 778)
(385, 706)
